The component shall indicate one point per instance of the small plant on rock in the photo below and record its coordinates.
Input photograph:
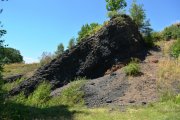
(132, 69)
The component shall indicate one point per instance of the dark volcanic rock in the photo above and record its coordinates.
(116, 42)
(12, 78)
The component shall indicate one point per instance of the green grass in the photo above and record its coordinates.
(158, 111)
(9, 86)
(132, 69)
(40, 105)
(72, 95)
(69, 105)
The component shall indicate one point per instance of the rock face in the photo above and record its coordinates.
(115, 43)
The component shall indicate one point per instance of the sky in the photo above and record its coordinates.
(37, 26)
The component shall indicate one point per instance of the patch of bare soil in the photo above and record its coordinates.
(119, 89)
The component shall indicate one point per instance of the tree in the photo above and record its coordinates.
(60, 49)
(12, 56)
(2, 33)
(87, 30)
(137, 13)
(114, 6)
(71, 43)
(46, 58)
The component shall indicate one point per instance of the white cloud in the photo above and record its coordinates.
(176, 21)
(29, 60)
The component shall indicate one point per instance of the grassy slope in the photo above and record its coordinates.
(70, 105)
(19, 68)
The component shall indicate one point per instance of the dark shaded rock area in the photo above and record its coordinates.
(105, 90)
(12, 78)
(115, 43)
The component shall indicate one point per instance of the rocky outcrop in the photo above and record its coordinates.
(12, 78)
(115, 43)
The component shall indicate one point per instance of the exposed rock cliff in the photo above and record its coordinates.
(115, 43)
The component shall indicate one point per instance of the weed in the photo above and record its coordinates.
(132, 68)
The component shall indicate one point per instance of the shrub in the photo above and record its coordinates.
(112, 14)
(172, 32)
(148, 41)
(175, 49)
(87, 30)
(38, 98)
(132, 68)
(40, 95)
(156, 36)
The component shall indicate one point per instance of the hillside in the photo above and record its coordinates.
(111, 75)
(115, 43)
(160, 75)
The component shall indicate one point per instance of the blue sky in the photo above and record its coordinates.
(36, 26)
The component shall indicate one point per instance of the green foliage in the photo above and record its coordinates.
(71, 43)
(2, 32)
(60, 49)
(114, 6)
(156, 36)
(12, 56)
(87, 30)
(40, 95)
(112, 14)
(46, 58)
(148, 39)
(132, 68)
(137, 13)
(72, 95)
(34, 107)
(175, 49)
(172, 32)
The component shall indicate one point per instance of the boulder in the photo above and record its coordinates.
(115, 43)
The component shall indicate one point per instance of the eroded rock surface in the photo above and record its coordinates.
(115, 43)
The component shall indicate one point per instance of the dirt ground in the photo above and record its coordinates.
(119, 89)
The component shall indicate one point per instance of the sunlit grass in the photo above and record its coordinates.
(9, 86)
(20, 68)
(158, 111)
(69, 105)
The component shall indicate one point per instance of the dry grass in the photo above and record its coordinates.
(20, 68)
(165, 46)
(168, 70)
(169, 73)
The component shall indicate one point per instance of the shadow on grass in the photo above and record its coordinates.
(14, 111)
